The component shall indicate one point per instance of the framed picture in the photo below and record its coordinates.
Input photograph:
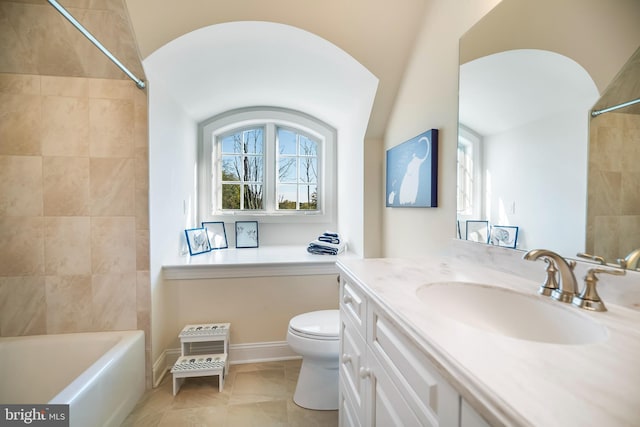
(217, 234)
(458, 229)
(504, 235)
(197, 240)
(412, 172)
(477, 231)
(246, 234)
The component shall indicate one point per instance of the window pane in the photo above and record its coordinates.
(253, 168)
(286, 142)
(287, 169)
(287, 196)
(230, 196)
(230, 143)
(309, 169)
(252, 197)
(308, 147)
(253, 141)
(231, 168)
(308, 196)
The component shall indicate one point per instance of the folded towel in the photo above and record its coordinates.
(329, 239)
(324, 248)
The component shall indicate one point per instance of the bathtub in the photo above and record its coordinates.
(100, 375)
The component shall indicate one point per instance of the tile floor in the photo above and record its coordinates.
(257, 394)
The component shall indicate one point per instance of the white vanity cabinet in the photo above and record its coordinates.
(385, 379)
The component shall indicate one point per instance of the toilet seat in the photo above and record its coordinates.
(319, 325)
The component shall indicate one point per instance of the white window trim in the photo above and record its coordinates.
(327, 186)
(475, 140)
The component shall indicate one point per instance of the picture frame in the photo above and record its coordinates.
(477, 231)
(458, 229)
(217, 234)
(197, 240)
(504, 235)
(247, 234)
(412, 172)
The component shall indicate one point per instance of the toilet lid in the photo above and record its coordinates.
(323, 323)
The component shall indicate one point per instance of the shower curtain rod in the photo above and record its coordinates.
(140, 83)
(615, 107)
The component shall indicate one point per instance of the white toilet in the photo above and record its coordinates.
(316, 337)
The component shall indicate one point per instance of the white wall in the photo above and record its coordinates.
(550, 204)
(172, 158)
(429, 99)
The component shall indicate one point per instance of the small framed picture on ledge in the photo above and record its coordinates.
(197, 240)
(246, 234)
(217, 234)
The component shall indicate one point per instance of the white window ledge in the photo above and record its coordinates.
(251, 262)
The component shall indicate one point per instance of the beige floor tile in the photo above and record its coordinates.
(256, 394)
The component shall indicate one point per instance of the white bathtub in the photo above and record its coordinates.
(100, 375)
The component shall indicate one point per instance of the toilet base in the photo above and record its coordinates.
(317, 387)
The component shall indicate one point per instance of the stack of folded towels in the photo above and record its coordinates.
(328, 243)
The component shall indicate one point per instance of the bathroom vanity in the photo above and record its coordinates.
(435, 341)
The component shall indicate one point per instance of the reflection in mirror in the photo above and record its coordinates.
(613, 215)
(522, 152)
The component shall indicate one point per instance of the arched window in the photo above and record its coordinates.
(269, 164)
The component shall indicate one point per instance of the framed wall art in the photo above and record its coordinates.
(197, 240)
(246, 234)
(504, 235)
(412, 172)
(217, 234)
(477, 231)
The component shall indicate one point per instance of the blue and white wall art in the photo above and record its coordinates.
(412, 172)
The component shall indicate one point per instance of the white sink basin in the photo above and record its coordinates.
(510, 313)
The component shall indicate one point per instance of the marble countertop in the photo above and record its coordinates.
(507, 380)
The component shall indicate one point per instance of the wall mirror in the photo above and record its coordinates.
(523, 157)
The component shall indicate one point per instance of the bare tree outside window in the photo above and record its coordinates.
(297, 171)
(243, 170)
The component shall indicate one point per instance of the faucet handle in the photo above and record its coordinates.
(589, 298)
(551, 282)
(596, 258)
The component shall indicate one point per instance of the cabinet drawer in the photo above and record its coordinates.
(433, 400)
(352, 357)
(353, 304)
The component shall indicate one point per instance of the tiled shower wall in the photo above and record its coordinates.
(613, 214)
(74, 228)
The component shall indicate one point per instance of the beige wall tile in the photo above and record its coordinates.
(111, 128)
(66, 186)
(113, 245)
(142, 209)
(142, 250)
(114, 301)
(630, 194)
(112, 187)
(67, 245)
(22, 306)
(69, 304)
(15, 56)
(65, 126)
(604, 192)
(19, 83)
(20, 124)
(20, 186)
(77, 87)
(21, 246)
(113, 89)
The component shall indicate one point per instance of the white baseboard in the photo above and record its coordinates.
(238, 354)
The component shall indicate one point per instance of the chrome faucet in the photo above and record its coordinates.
(631, 261)
(568, 285)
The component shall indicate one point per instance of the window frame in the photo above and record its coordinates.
(270, 118)
(473, 140)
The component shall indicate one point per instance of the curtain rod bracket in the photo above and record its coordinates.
(139, 83)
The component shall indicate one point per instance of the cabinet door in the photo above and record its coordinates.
(348, 415)
(352, 353)
(388, 407)
(470, 418)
